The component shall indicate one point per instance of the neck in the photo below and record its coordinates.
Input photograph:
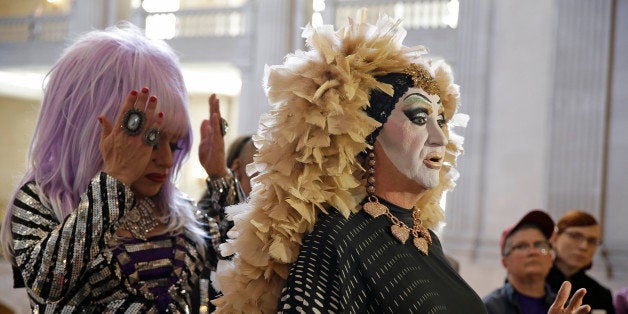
(402, 199)
(531, 287)
(566, 269)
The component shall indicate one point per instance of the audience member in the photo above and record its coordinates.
(575, 242)
(527, 258)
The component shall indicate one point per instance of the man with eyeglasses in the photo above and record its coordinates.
(575, 242)
(526, 255)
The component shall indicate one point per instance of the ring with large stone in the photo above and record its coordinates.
(224, 126)
(151, 137)
(133, 121)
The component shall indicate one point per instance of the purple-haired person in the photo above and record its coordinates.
(97, 223)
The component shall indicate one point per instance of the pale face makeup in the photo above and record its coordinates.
(413, 138)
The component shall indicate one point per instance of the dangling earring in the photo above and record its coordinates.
(373, 207)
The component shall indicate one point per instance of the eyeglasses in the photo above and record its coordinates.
(542, 246)
(579, 237)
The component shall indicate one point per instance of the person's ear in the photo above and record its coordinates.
(504, 262)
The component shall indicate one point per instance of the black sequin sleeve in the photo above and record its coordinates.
(221, 192)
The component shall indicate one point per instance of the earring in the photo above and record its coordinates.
(373, 207)
(370, 172)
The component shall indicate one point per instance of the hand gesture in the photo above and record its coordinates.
(126, 147)
(575, 305)
(211, 151)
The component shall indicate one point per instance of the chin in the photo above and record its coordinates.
(430, 185)
(428, 180)
(141, 193)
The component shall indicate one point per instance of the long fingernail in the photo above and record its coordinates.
(153, 98)
(144, 90)
(134, 92)
(160, 114)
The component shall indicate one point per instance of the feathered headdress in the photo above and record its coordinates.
(308, 146)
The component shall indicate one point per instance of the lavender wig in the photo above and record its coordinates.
(93, 77)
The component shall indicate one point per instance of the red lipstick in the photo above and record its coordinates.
(156, 177)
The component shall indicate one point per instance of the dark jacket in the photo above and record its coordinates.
(503, 300)
(598, 297)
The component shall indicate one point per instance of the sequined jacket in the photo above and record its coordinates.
(68, 266)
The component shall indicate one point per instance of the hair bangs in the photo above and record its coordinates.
(575, 218)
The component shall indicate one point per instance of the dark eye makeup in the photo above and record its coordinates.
(418, 115)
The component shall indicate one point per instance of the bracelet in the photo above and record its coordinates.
(220, 183)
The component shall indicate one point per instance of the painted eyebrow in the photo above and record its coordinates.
(441, 109)
(420, 95)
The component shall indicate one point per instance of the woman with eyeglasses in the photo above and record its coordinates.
(575, 242)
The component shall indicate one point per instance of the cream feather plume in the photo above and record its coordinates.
(307, 147)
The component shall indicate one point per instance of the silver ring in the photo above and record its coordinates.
(133, 121)
(224, 126)
(151, 137)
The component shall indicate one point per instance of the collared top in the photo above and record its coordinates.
(504, 300)
(598, 297)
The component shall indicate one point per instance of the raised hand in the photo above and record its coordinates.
(575, 305)
(211, 151)
(126, 151)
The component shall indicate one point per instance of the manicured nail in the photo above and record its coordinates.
(153, 98)
(134, 92)
(160, 114)
(144, 90)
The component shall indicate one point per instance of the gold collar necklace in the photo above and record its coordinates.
(421, 236)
